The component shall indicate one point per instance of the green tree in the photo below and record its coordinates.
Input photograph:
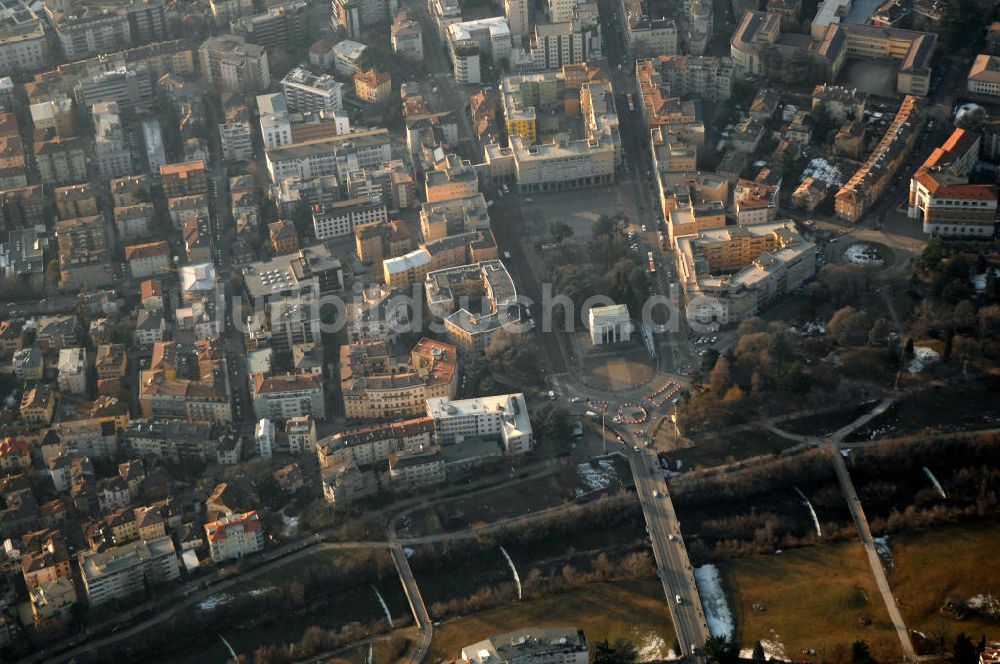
(823, 122)
(720, 650)
(621, 651)
(558, 230)
(551, 422)
(861, 653)
(961, 23)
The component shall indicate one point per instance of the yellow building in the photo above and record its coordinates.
(372, 86)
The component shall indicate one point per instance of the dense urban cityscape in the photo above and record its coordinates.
(499, 331)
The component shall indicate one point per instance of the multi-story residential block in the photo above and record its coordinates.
(666, 76)
(232, 65)
(12, 337)
(309, 274)
(334, 155)
(123, 571)
(411, 469)
(373, 87)
(648, 31)
(38, 404)
(754, 202)
(283, 236)
(375, 241)
(342, 217)
(128, 85)
(275, 125)
(44, 558)
(225, 11)
(149, 259)
(380, 315)
(23, 43)
(61, 160)
(237, 140)
(28, 364)
(844, 104)
(52, 603)
(491, 284)
(761, 263)
(197, 240)
(182, 208)
(518, 15)
(111, 361)
(284, 396)
(134, 221)
(503, 417)
(347, 56)
(347, 482)
(452, 177)
(578, 40)
(130, 190)
(84, 30)
(377, 383)
(162, 393)
(114, 157)
(84, 258)
(374, 443)
(73, 370)
(942, 198)
(234, 536)
(308, 92)
(15, 456)
(22, 207)
(869, 181)
(282, 23)
(406, 37)
(75, 201)
(54, 333)
(984, 75)
(184, 179)
(541, 645)
(453, 217)
(402, 272)
(759, 37)
(300, 433)
(468, 39)
(173, 440)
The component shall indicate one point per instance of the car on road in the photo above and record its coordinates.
(656, 493)
(677, 598)
(671, 537)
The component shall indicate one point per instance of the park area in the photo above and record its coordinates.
(633, 610)
(819, 599)
(941, 577)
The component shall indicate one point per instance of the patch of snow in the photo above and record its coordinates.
(291, 524)
(922, 356)
(884, 552)
(651, 647)
(597, 478)
(408, 551)
(822, 170)
(215, 601)
(862, 253)
(979, 280)
(773, 650)
(713, 600)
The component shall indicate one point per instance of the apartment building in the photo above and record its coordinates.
(578, 40)
(123, 571)
(372, 86)
(452, 217)
(491, 284)
(347, 482)
(754, 202)
(468, 39)
(308, 92)
(44, 558)
(334, 155)
(377, 241)
(731, 274)
(452, 177)
(843, 104)
(60, 160)
(402, 272)
(503, 418)
(127, 84)
(111, 361)
(310, 273)
(406, 37)
(148, 259)
(301, 434)
(347, 56)
(205, 398)
(342, 217)
(275, 125)
(184, 179)
(370, 444)
(237, 140)
(984, 75)
(113, 156)
(868, 183)
(84, 30)
(647, 31)
(175, 441)
(379, 383)
(72, 370)
(942, 198)
(234, 536)
(412, 469)
(279, 24)
(84, 257)
(23, 43)
(704, 77)
(284, 396)
(232, 65)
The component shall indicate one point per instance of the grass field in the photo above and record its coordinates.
(634, 610)
(950, 564)
(715, 450)
(812, 598)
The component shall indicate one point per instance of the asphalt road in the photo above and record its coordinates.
(672, 562)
